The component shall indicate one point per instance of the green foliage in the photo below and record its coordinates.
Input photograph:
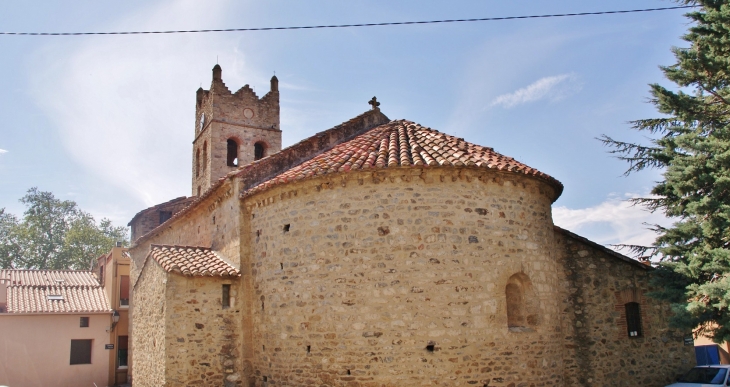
(691, 143)
(54, 234)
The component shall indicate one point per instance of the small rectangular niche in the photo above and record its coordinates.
(226, 296)
(286, 227)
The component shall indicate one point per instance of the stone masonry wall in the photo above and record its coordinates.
(397, 278)
(595, 285)
(203, 338)
(213, 223)
(148, 340)
(146, 220)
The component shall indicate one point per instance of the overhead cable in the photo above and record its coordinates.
(346, 25)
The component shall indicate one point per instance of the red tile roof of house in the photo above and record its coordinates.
(30, 291)
(192, 261)
(403, 143)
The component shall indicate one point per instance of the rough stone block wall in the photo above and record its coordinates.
(397, 278)
(595, 286)
(147, 220)
(203, 338)
(213, 223)
(148, 340)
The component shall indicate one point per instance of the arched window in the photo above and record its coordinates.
(258, 150)
(197, 163)
(232, 155)
(521, 303)
(633, 319)
(205, 156)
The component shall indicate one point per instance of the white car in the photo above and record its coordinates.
(701, 376)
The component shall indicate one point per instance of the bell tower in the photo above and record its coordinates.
(232, 129)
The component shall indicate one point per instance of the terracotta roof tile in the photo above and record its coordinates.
(192, 261)
(402, 143)
(30, 291)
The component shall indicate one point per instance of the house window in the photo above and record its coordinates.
(81, 352)
(124, 290)
(122, 345)
(84, 322)
(226, 296)
(258, 151)
(232, 154)
(633, 319)
(165, 215)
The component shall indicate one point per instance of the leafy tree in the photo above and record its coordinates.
(53, 234)
(691, 144)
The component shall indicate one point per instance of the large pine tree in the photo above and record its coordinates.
(691, 144)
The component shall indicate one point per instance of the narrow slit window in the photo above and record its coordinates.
(633, 319)
(205, 156)
(197, 163)
(226, 296)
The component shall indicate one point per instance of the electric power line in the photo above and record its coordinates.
(345, 25)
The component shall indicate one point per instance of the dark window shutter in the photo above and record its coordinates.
(80, 351)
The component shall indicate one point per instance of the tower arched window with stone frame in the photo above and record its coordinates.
(521, 304)
(205, 156)
(231, 152)
(259, 150)
(197, 163)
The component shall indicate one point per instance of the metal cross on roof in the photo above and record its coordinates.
(374, 103)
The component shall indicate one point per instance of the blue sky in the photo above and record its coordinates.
(108, 121)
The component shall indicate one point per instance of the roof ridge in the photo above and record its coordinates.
(51, 270)
(179, 246)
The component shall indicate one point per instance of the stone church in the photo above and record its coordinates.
(378, 253)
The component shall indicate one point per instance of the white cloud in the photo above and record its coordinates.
(614, 221)
(553, 88)
(124, 105)
(3, 151)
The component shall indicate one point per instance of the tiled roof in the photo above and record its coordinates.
(403, 143)
(192, 261)
(29, 291)
(49, 277)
